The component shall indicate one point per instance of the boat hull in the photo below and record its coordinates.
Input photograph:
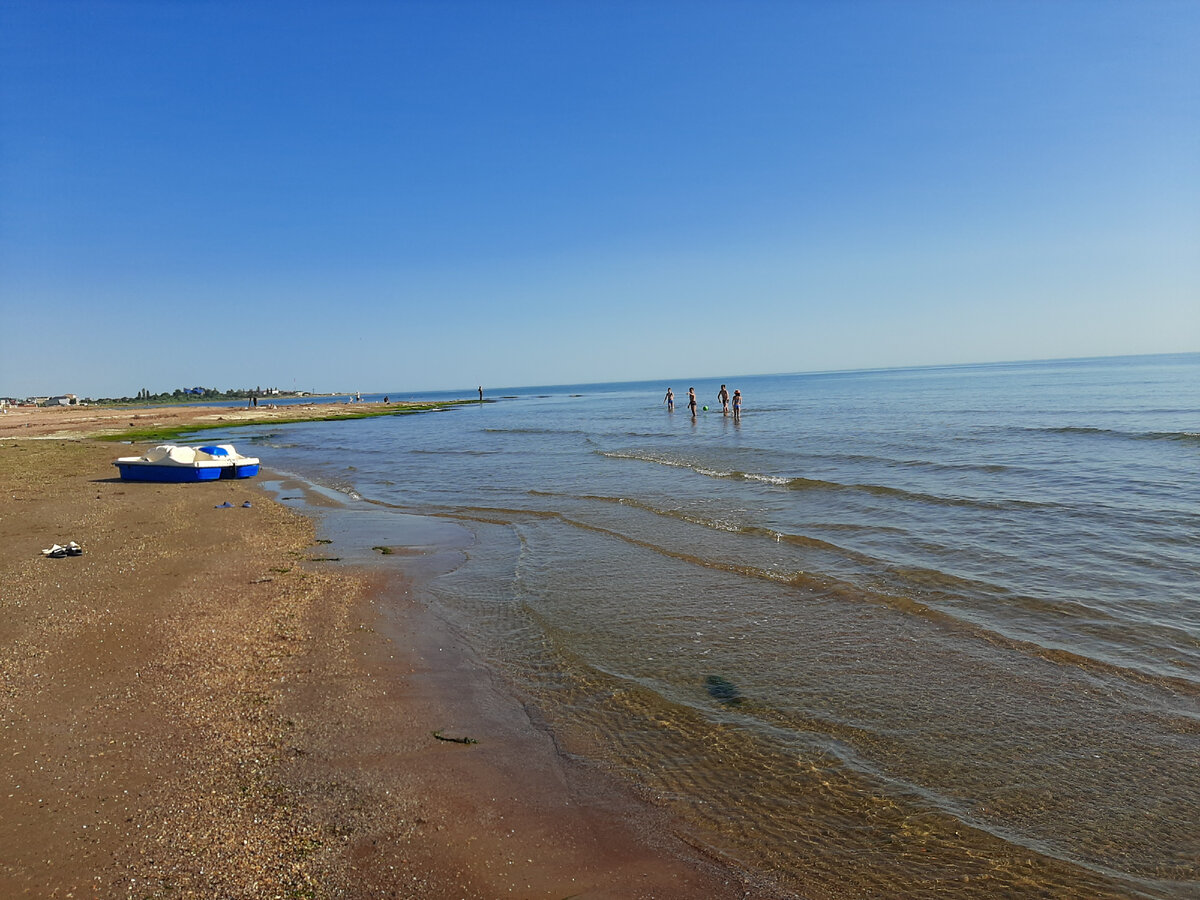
(239, 471)
(178, 474)
(235, 464)
(175, 463)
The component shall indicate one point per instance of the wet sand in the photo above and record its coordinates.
(202, 705)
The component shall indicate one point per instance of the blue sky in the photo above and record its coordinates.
(408, 196)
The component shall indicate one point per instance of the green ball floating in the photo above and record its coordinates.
(706, 408)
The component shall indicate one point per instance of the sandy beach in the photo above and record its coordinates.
(203, 705)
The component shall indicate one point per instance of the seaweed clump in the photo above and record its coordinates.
(723, 690)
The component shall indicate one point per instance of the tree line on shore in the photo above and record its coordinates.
(145, 396)
(184, 395)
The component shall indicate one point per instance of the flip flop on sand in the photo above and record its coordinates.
(73, 549)
(225, 505)
(246, 505)
(55, 552)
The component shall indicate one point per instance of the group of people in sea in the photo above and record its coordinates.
(722, 395)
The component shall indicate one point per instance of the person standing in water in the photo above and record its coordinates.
(692, 401)
(723, 396)
(737, 406)
(481, 393)
(670, 400)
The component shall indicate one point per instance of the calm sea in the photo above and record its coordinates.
(895, 633)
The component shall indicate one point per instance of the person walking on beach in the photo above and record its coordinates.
(737, 406)
(670, 400)
(481, 393)
(723, 396)
(692, 401)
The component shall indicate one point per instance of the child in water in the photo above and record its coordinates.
(737, 405)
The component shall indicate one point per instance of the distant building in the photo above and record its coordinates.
(62, 400)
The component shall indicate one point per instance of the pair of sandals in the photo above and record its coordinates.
(57, 551)
(228, 505)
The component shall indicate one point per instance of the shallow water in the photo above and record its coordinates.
(895, 633)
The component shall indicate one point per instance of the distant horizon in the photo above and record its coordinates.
(469, 392)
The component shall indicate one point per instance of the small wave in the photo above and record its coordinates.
(856, 527)
(348, 491)
(800, 483)
(533, 431)
(883, 490)
(783, 537)
(986, 468)
(766, 479)
(666, 461)
(422, 452)
(1093, 431)
(923, 464)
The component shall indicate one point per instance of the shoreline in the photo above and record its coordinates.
(200, 706)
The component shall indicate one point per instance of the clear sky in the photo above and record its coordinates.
(408, 196)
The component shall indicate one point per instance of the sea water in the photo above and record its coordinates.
(893, 633)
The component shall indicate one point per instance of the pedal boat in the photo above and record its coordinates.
(176, 463)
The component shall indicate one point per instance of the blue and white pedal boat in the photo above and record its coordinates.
(176, 463)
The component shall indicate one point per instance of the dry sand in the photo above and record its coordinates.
(198, 707)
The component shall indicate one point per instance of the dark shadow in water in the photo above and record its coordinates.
(723, 690)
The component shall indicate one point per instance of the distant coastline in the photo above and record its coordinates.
(289, 398)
